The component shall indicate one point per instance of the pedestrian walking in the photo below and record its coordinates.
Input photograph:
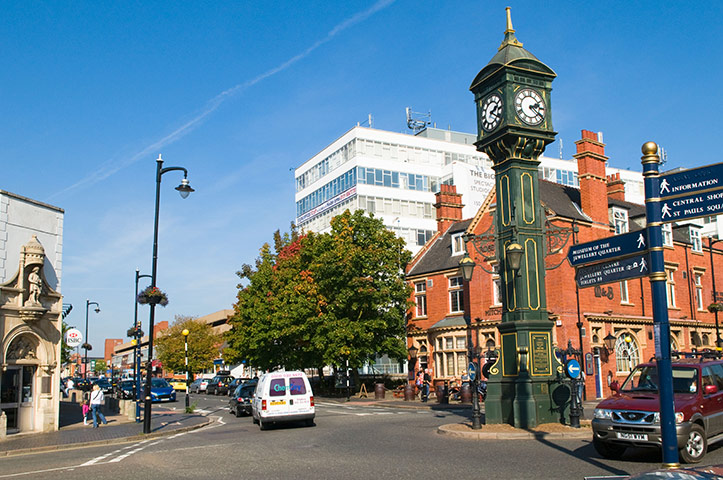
(86, 411)
(96, 400)
(425, 387)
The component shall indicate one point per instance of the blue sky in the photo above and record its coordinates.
(241, 92)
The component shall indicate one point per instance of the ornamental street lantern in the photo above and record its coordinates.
(514, 120)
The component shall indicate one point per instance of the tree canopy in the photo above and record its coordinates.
(320, 299)
(203, 345)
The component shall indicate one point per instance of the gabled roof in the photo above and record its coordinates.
(438, 257)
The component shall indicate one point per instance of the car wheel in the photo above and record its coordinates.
(237, 412)
(263, 425)
(309, 422)
(255, 420)
(608, 450)
(696, 446)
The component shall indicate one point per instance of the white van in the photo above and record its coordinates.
(283, 397)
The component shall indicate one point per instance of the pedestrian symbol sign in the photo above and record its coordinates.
(607, 248)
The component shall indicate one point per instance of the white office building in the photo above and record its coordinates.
(395, 176)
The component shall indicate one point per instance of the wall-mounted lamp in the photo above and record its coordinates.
(609, 342)
(514, 253)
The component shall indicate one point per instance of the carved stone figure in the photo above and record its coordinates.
(36, 286)
(21, 349)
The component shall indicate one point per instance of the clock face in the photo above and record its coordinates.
(491, 112)
(529, 106)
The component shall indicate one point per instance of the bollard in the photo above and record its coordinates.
(442, 394)
(465, 393)
(379, 391)
(408, 392)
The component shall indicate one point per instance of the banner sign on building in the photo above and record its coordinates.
(332, 202)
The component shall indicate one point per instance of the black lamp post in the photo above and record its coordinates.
(137, 335)
(86, 345)
(466, 265)
(712, 242)
(185, 333)
(575, 400)
(184, 189)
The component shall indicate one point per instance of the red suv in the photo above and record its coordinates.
(631, 416)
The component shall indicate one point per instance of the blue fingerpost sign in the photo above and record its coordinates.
(573, 368)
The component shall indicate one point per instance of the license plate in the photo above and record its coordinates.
(632, 436)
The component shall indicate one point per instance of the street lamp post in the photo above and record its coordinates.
(185, 333)
(712, 242)
(137, 335)
(88, 303)
(184, 189)
(467, 265)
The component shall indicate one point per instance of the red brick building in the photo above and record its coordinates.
(449, 314)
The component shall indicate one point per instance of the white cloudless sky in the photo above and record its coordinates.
(240, 93)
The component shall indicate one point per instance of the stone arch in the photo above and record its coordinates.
(23, 345)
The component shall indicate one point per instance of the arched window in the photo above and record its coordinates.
(627, 353)
(706, 339)
(695, 339)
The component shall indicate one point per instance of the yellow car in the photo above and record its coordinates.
(178, 384)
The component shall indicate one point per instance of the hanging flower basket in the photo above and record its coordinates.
(153, 296)
(715, 307)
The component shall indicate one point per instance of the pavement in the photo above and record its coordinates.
(74, 434)
(488, 432)
(164, 421)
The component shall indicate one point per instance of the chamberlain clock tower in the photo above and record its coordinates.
(514, 124)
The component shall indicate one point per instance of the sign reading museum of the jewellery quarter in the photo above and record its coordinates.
(615, 271)
(606, 248)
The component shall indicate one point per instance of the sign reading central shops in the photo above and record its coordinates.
(541, 358)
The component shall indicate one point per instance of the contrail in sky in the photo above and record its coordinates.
(111, 167)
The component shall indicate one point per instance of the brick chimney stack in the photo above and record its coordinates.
(591, 174)
(448, 205)
(616, 187)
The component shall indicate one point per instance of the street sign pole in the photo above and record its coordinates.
(651, 174)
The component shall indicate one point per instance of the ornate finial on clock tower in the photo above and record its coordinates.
(510, 38)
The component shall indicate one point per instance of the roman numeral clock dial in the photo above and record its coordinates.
(490, 112)
(530, 106)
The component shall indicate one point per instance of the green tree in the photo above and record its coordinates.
(321, 299)
(359, 267)
(203, 345)
(65, 350)
(100, 367)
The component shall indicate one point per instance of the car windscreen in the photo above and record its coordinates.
(645, 379)
(159, 383)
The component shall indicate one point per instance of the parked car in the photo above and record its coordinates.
(235, 383)
(283, 397)
(83, 384)
(126, 389)
(219, 385)
(630, 418)
(178, 384)
(240, 402)
(199, 385)
(104, 385)
(161, 391)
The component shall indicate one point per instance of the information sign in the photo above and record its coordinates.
(606, 248)
(692, 206)
(690, 181)
(615, 271)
